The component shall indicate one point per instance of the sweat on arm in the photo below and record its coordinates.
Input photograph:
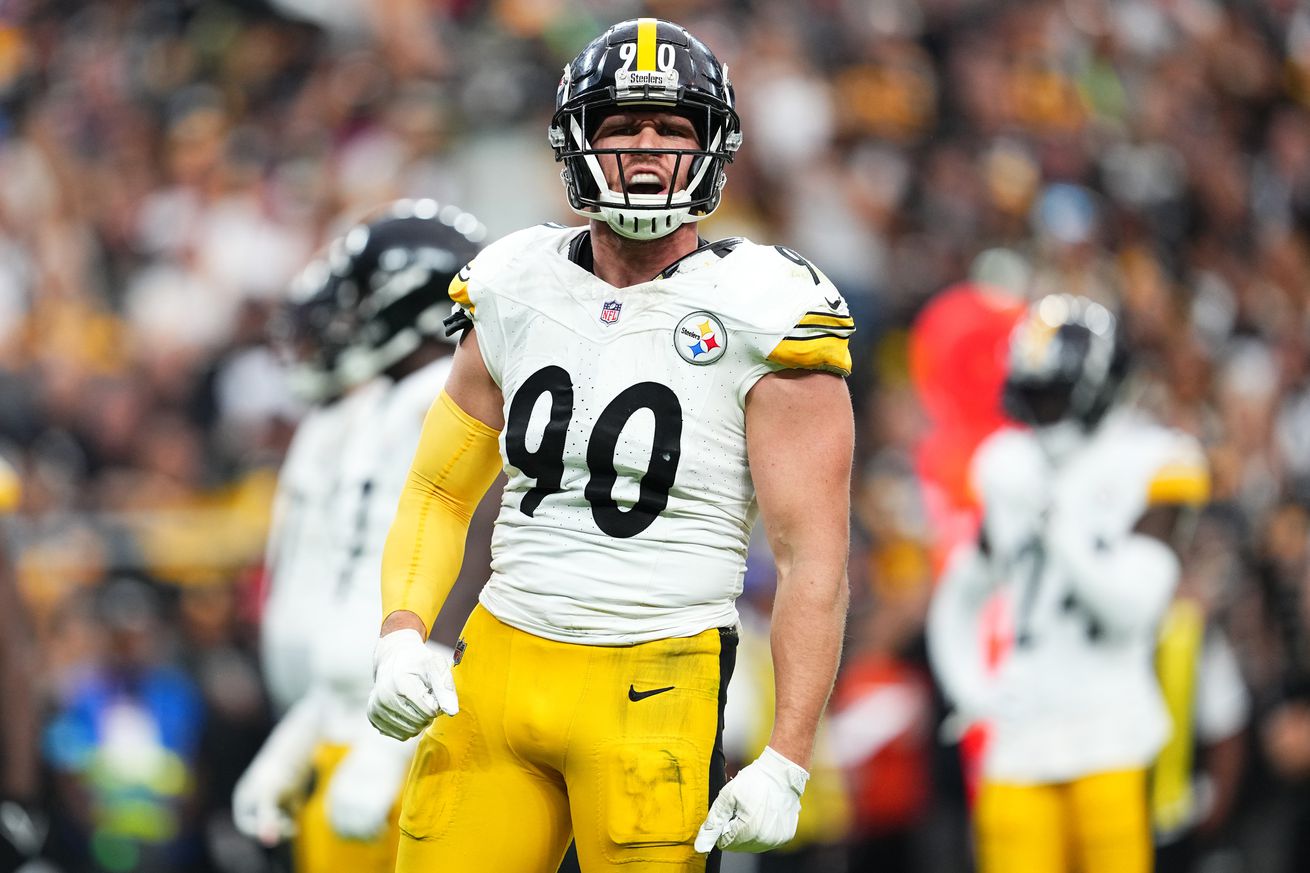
(458, 458)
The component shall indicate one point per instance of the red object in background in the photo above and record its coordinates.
(957, 353)
(252, 586)
(957, 365)
(882, 707)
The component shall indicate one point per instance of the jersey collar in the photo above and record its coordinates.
(580, 253)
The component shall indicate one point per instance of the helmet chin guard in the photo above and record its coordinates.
(643, 216)
(645, 64)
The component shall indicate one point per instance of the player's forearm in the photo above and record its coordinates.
(289, 749)
(457, 459)
(422, 556)
(809, 619)
(1225, 761)
(403, 619)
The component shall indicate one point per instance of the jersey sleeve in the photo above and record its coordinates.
(474, 291)
(819, 340)
(816, 335)
(802, 321)
(1183, 478)
(11, 487)
(459, 288)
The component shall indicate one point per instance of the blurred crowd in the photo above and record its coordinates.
(167, 165)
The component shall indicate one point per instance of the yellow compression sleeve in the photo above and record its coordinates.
(458, 458)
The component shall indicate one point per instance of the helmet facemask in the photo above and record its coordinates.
(303, 333)
(690, 83)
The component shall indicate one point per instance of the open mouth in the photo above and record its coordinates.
(645, 183)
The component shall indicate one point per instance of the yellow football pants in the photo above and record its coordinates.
(1097, 824)
(617, 746)
(317, 848)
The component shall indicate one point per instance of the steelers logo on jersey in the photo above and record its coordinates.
(700, 338)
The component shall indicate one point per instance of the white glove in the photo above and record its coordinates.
(266, 795)
(366, 784)
(757, 810)
(412, 685)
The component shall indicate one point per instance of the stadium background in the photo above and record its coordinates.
(166, 166)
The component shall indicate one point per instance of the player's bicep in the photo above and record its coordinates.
(471, 387)
(800, 441)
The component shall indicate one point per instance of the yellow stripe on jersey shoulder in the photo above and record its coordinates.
(646, 30)
(831, 353)
(823, 319)
(11, 487)
(1186, 482)
(459, 288)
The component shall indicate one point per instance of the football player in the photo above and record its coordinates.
(646, 393)
(306, 334)
(1081, 505)
(380, 340)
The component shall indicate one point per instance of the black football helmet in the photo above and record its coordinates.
(307, 335)
(1066, 363)
(392, 273)
(645, 63)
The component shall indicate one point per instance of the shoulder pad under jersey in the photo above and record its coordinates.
(800, 319)
(1181, 474)
(496, 258)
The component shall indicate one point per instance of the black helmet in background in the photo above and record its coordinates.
(1066, 363)
(392, 272)
(307, 335)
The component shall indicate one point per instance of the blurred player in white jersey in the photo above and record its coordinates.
(1081, 511)
(376, 316)
(299, 540)
(647, 394)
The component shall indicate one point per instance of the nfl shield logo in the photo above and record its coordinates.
(609, 311)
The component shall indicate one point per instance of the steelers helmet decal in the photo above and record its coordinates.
(645, 64)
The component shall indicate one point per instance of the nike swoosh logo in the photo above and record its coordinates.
(634, 695)
(834, 305)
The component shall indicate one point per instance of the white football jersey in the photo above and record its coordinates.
(372, 468)
(1077, 696)
(629, 500)
(300, 559)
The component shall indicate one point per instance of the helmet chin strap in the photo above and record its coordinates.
(640, 224)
